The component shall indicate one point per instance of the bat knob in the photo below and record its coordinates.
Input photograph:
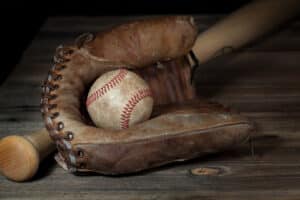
(19, 159)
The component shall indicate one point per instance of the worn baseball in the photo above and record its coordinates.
(119, 99)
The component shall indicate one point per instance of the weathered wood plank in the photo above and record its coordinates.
(165, 195)
(232, 177)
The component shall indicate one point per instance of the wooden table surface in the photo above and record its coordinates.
(261, 81)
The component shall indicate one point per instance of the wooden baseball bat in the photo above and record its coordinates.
(243, 26)
(20, 156)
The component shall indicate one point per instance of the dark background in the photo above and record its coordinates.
(22, 20)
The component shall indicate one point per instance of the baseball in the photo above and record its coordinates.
(119, 99)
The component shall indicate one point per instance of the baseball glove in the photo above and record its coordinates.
(182, 126)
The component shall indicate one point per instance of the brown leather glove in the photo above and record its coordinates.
(181, 127)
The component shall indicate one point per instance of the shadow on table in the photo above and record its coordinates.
(214, 76)
(46, 167)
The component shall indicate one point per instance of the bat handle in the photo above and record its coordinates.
(20, 156)
(243, 26)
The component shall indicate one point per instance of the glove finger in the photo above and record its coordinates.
(144, 42)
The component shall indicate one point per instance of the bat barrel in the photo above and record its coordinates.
(20, 156)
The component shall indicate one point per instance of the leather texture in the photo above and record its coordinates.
(182, 125)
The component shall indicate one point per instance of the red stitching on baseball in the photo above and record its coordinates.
(116, 80)
(129, 106)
